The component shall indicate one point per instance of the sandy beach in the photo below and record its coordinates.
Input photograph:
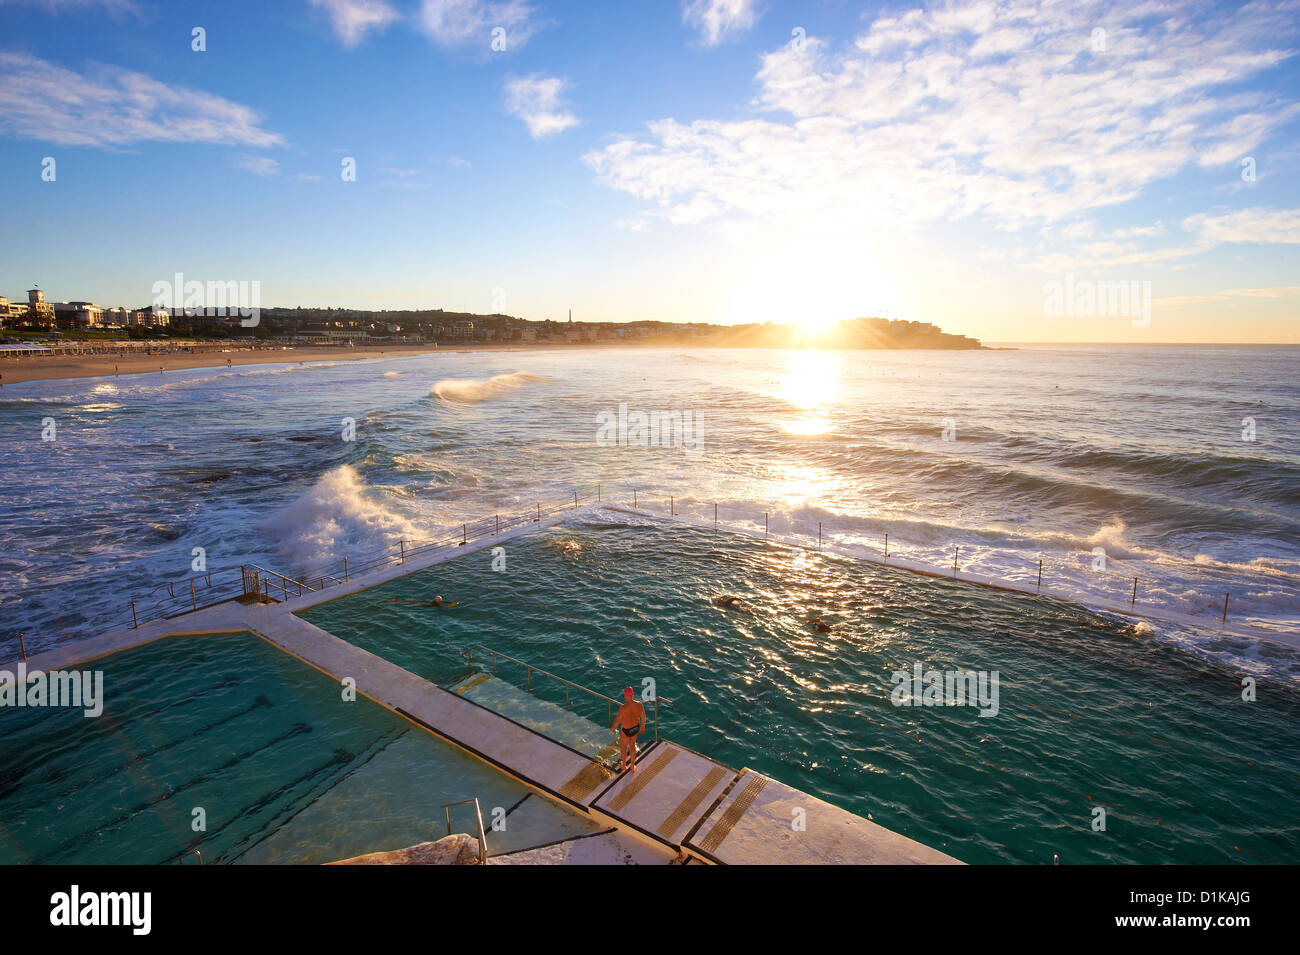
(15, 370)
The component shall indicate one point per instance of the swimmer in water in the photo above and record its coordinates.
(728, 602)
(820, 625)
(435, 602)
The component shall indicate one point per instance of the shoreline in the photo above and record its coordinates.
(15, 371)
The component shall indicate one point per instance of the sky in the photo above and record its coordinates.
(1001, 169)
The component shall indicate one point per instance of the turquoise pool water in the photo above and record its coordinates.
(1092, 713)
(284, 769)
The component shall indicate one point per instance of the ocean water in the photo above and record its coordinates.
(1105, 462)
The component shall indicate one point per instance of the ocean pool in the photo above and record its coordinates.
(1092, 713)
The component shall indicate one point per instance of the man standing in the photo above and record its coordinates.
(629, 721)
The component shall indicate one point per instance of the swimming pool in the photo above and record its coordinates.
(283, 769)
(1092, 713)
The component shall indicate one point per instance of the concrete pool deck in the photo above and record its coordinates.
(678, 804)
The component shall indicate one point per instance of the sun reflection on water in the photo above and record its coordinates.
(811, 383)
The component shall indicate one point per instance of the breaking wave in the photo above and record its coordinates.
(472, 389)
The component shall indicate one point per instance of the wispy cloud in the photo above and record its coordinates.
(112, 107)
(536, 100)
(1248, 225)
(353, 19)
(113, 7)
(1235, 295)
(716, 20)
(463, 22)
(258, 165)
(1011, 114)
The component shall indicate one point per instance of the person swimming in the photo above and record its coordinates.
(820, 625)
(727, 602)
(435, 602)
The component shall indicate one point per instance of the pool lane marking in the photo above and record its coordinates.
(641, 755)
(691, 802)
(732, 816)
(641, 780)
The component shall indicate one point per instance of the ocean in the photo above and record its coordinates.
(1178, 465)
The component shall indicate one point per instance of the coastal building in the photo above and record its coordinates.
(78, 315)
(39, 312)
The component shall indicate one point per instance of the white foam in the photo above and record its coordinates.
(338, 516)
(473, 389)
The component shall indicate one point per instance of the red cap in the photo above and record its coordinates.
(627, 691)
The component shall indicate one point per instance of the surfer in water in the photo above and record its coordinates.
(628, 722)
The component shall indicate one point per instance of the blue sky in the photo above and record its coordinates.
(707, 160)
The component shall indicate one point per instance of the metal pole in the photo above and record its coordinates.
(194, 604)
(955, 552)
(539, 512)
(284, 585)
(765, 523)
(715, 517)
(135, 624)
(464, 533)
(403, 543)
(1040, 573)
(672, 506)
(1133, 602)
(656, 717)
(345, 570)
(1225, 608)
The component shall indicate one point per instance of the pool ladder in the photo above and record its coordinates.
(478, 817)
(180, 859)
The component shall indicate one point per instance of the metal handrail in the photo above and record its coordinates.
(180, 859)
(478, 815)
(610, 701)
(166, 602)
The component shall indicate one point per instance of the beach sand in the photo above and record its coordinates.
(14, 370)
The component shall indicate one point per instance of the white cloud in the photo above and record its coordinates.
(258, 165)
(715, 20)
(112, 7)
(992, 111)
(536, 100)
(1248, 225)
(112, 107)
(353, 19)
(461, 22)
